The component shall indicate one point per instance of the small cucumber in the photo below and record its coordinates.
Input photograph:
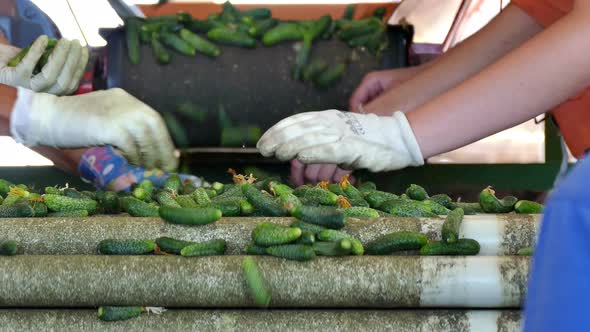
(317, 195)
(8, 248)
(406, 208)
(397, 241)
(443, 200)
(348, 12)
(451, 226)
(330, 76)
(416, 192)
(263, 202)
(229, 207)
(332, 235)
(69, 214)
(186, 201)
(175, 42)
(132, 39)
(190, 216)
(64, 203)
(207, 248)
(126, 247)
(469, 208)
(278, 189)
(463, 247)
(109, 202)
(5, 187)
(297, 252)
(304, 226)
(176, 129)
(107, 313)
(282, 32)
(201, 197)
(257, 13)
(528, 251)
(218, 187)
(307, 237)
(367, 186)
(166, 198)
(253, 249)
(528, 207)
(200, 44)
(491, 204)
(360, 212)
(267, 234)
(338, 248)
(173, 183)
(160, 52)
(172, 246)
(321, 215)
(289, 201)
(259, 28)
(256, 283)
(137, 208)
(246, 208)
(435, 207)
(312, 70)
(231, 38)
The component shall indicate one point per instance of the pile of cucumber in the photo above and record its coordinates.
(246, 29)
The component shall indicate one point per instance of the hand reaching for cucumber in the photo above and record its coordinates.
(314, 173)
(50, 66)
(377, 143)
(108, 117)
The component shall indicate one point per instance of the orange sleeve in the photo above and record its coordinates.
(545, 12)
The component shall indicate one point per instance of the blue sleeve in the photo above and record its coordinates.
(559, 285)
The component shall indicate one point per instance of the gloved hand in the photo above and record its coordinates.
(378, 143)
(108, 117)
(60, 76)
(303, 174)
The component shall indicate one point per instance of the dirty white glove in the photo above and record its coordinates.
(109, 117)
(60, 76)
(378, 143)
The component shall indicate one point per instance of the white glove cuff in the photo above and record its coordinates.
(21, 115)
(409, 139)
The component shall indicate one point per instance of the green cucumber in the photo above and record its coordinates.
(201, 197)
(160, 52)
(231, 38)
(8, 248)
(338, 248)
(259, 28)
(200, 44)
(435, 207)
(443, 200)
(416, 192)
(316, 195)
(306, 237)
(186, 201)
(257, 13)
(278, 189)
(126, 247)
(173, 183)
(178, 44)
(336, 189)
(137, 208)
(246, 208)
(379, 13)
(451, 226)
(69, 214)
(267, 234)
(361, 212)
(397, 241)
(218, 187)
(263, 202)
(207, 248)
(469, 208)
(297, 252)
(367, 186)
(108, 201)
(287, 31)
(463, 247)
(289, 201)
(190, 216)
(132, 25)
(64, 203)
(491, 204)
(305, 226)
(312, 70)
(253, 249)
(172, 246)
(177, 131)
(528, 207)
(329, 76)
(18, 57)
(23, 210)
(148, 187)
(257, 286)
(348, 12)
(333, 235)
(528, 251)
(108, 313)
(406, 208)
(166, 198)
(230, 207)
(320, 215)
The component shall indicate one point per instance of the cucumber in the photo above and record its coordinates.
(207, 248)
(469, 208)
(20, 210)
(338, 248)
(231, 38)
(178, 44)
(321, 215)
(306, 237)
(8, 248)
(443, 200)
(229, 208)
(69, 214)
(246, 208)
(126, 247)
(137, 208)
(253, 249)
(257, 13)
(297, 252)
(18, 57)
(528, 251)
(263, 202)
(177, 131)
(316, 195)
(451, 226)
(261, 27)
(118, 313)
(256, 284)
(267, 234)
(348, 12)
(397, 241)
(379, 13)
(289, 201)
(304, 226)
(218, 187)
(312, 70)
(240, 135)
(416, 192)
(108, 201)
(5, 187)
(73, 193)
(367, 186)
(132, 39)
(406, 208)
(172, 246)
(278, 189)
(283, 32)
(190, 216)
(166, 198)
(336, 189)
(528, 207)
(360, 212)
(173, 183)
(333, 235)
(201, 197)
(200, 44)
(141, 194)
(160, 52)
(330, 76)
(491, 204)
(435, 207)
(186, 201)
(64, 203)
(463, 247)
(210, 192)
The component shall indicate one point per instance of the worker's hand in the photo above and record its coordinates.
(60, 76)
(378, 143)
(108, 117)
(303, 174)
(376, 83)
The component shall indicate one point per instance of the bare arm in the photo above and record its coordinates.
(504, 33)
(537, 76)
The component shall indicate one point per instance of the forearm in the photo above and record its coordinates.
(504, 33)
(536, 77)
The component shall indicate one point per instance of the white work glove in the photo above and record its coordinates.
(60, 76)
(378, 143)
(108, 117)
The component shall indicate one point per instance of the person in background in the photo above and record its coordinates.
(531, 58)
